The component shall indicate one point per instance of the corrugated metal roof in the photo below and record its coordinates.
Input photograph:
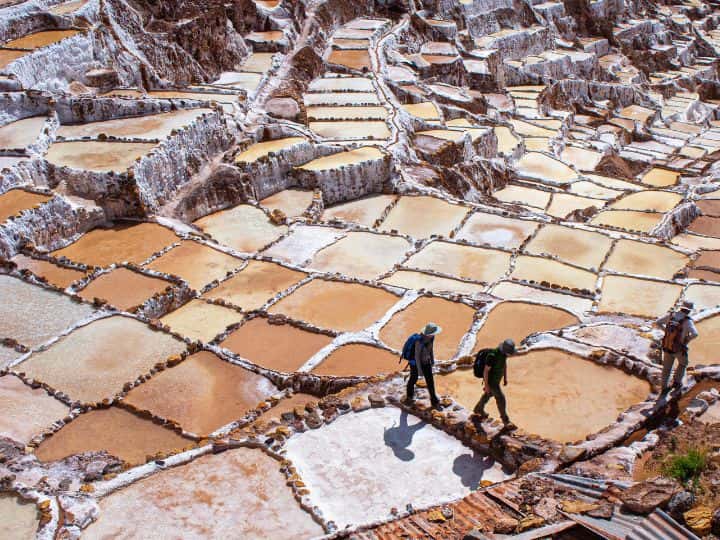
(540, 532)
(660, 525)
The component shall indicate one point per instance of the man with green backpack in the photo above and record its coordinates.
(491, 366)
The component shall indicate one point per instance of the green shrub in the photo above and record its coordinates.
(687, 466)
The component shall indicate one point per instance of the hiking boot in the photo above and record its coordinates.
(509, 426)
(436, 405)
(408, 400)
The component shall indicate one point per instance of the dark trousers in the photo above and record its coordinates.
(497, 393)
(428, 374)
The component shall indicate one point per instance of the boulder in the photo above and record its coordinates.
(680, 503)
(644, 497)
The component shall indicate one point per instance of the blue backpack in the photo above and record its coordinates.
(408, 352)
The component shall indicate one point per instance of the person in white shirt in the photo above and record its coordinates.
(679, 331)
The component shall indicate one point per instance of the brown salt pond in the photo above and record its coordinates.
(262, 149)
(123, 243)
(551, 385)
(8, 56)
(497, 231)
(362, 211)
(240, 493)
(536, 198)
(199, 320)
(32, 315)
(196, 263)
(703, 296)
(509, 290)
(708, 259)
(361, 255)
(154, 126)
(423, 216)
(243, 228)
(119, 432)
(202, 394)
(255, 284)
(544, 168)
(628, 220)
(291, 202)
(538, 270)
(631, 257)
(517, 320)
(426, 110)
(368, 129)
(478, 264)
(351, 112)
(353, 59)
(454, 318)
(56, 275)
(342, 84)
(637, 296)
(21, 133)
(709, 207)
(581, 158)
(346, 307)
(68, 7)
(26, 412)
(709, 226)
(341, 159)
(18, 519)
(38, 40)
(660, 177)
(123, 288)
(654, 201)
(95, 361)
(577, 246)
(358, 359)
(16, 200)
(563, 204)
(280, 347)
(408, 279)
(97, 156)
(704, 349)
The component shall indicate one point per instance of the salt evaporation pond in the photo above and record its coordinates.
(97, 156)
(199, 320)
(18, 519)
(123, 288)
(21, 133)
(243, 228)
(15, 201)
(154, 126)
(358, 359)
(56, 275)
(361, 211)
(425, 465)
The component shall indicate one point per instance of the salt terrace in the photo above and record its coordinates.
(219, 223)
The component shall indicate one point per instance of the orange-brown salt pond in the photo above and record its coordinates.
(16, 200)
(56, 275)
(26, 412)
(243, 228)
(353, 59)
(202, 394)
(154, 126)
(630, 257)
(453, 317)
(125, 242)
(548, 394)
(363, 211)
(281, 347)
(358, 359)
(478, 264)
(577, 246)
(97, 156)
(95, 361)
(637, 296)
(37, 40)
(196, 263)
(199, 320)
(255, 284)
(21, 133)
(120, 432)
(422, 216)
(704, 349)
(240, 493)
(123, 288)
(517, 320)
(18, 518)
(348, 307)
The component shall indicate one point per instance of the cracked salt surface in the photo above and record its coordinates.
(381, 459)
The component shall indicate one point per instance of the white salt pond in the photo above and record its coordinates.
(358, 453)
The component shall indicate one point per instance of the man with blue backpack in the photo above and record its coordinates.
(418, 351)
(491, 366)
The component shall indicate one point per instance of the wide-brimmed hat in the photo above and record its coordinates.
(687, 306)
(431, 329)
(507, 347)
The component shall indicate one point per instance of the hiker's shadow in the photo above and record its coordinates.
(399, 438)
(470, 468)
